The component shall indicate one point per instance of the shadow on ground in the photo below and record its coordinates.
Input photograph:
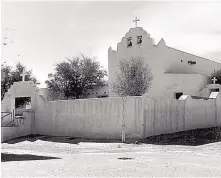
(5, 157)
(61, 139)
(193, 137)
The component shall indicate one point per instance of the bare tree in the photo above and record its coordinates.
(134, 77)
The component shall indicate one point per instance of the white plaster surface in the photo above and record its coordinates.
(98, 92)
(138, 117)
(89, 118)
(200, 113)
(169, 66)
(25, 127)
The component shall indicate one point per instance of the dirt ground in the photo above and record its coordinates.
(61, 157)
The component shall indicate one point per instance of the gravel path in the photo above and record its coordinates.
(46, 158)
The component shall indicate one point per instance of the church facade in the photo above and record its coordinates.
(174, 72)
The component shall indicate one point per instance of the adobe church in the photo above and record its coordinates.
(174, 72)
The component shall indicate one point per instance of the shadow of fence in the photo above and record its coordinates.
(6, 157)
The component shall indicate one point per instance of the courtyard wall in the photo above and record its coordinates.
(138, 117)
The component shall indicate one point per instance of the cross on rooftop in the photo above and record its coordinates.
(23, 75)
(214, 80)
(135, 21)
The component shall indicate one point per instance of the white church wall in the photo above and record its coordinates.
(161, 59)
(151, 53)
(189, 84)
(177, 62)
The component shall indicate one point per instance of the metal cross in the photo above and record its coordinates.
(23, 75)
(136, 20)
(214, 80)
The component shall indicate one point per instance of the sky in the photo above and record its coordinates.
(42, 33)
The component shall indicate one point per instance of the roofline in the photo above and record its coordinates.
(185, 74)
(194, 55)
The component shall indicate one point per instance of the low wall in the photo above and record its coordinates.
(25, 127)
(138, 117)
(200, 113)
(163, 116)
(218, 110)
(81, 118)
(6, 103)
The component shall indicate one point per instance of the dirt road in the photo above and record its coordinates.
(50, 158)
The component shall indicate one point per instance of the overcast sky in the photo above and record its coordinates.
(40, 34)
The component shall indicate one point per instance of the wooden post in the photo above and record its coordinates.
(123, 124)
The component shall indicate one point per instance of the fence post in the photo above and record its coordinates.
(216, 114)
(144, 118)
(184, 115)
(218, 130)
(123, 123)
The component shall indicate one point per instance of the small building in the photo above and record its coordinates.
(99, 92)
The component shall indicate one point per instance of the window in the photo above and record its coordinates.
(191, 62)
(22, 102)
(178, 95)
(129, 41)
(139, 39)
